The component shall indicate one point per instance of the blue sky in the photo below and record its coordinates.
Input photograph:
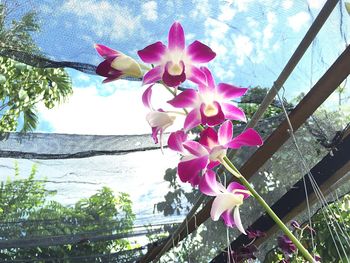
(253, 40)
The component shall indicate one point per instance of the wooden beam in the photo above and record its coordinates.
(329, 82)
(326, 173)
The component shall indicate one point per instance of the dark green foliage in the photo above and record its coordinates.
(26, 213)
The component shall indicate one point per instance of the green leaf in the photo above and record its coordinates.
(347, 7)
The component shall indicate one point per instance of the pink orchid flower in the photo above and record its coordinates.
(116, 64)
(175, 63)
(211, 104)
(227, 200)
(159, 120)
(208, 152)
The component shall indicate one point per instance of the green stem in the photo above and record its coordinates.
(227, 163)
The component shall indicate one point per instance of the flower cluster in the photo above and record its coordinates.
(209, 106)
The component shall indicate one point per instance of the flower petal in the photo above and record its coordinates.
(228, 218)
(195, 148)
(176, 37)
(213, 164)
(185, 99)
(160, 119)
(193, 119)
(223, 202)
(127, 65)
(196, 75)
(106, 52)
(210, 85)
(152, 76)
(209, 185)
(176, 139)
(236, 186)
(247, 138)
(155, 131)
(152, 53)
(146, 97)
(230, 92)
(225, 132)
(200, 53)
(233, 113)
(237, 219)
(209, 119)
(187, 170)
(173, 80)
(209, 138)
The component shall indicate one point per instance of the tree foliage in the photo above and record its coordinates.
(93, 224)
(23, 86)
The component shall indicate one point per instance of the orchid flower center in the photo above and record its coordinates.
(210, 110)
(176, 69)
(217, 153)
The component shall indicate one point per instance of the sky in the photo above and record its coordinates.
(253, 41)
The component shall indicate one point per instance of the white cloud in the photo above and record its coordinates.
(268, 33)
(226, 13)
(287, 4)
(243, 47)
(106, 20)
(122, 112)
(149, 10)
(316, 4)
(299, 20)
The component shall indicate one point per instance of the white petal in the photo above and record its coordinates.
(160, 119)
(237, 219)
(223, 202)
(127, 65)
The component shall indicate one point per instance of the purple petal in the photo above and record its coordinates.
(209, 77)
(247, 138)
(213, 164)
(187, 170)
(146, 97)
(209, 185)
(185, 99)
(209, 138)
(228, 218)
(155, 131)
(200, 53)
(225, 132)
(176, 139)
(209, 118)
(152, 76)
(195, 180)
(152, 53)
(104, 69)
(236, 186)
(195, 148)
(106, 52)
(173, 80)
(176, 37)
(193, 119)
(197, 76)
(230, 92)
(237, 219)
(233, 113)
